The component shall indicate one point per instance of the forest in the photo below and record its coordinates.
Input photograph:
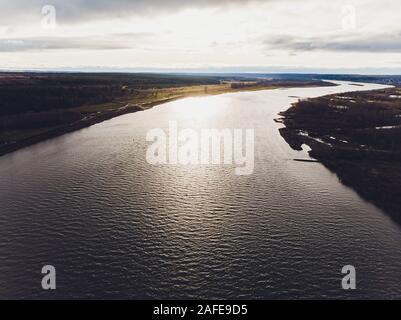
(38, 92)
(358, 137)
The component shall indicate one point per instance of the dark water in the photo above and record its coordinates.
(116, 227)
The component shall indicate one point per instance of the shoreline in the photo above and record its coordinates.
(347, 148)
(96, 118)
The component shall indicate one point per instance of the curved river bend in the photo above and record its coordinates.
(116, 227)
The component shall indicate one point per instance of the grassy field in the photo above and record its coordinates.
(150, 97)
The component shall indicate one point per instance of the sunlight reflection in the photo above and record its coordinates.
(197, 108)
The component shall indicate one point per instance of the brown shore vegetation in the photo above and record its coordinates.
(357, 136)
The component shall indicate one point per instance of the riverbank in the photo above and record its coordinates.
(36, 124)
(358, 137)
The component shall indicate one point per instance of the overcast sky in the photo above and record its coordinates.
(235, 35)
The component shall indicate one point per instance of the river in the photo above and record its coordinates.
(115, 226)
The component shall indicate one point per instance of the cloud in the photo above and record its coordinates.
(225, 33)
(383, 43)
(78, 10)
(112, 42)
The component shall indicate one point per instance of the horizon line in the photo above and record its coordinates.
(217, 70)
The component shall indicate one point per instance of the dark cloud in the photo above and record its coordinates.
(390, 43)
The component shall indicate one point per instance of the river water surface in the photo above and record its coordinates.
(115, 226)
